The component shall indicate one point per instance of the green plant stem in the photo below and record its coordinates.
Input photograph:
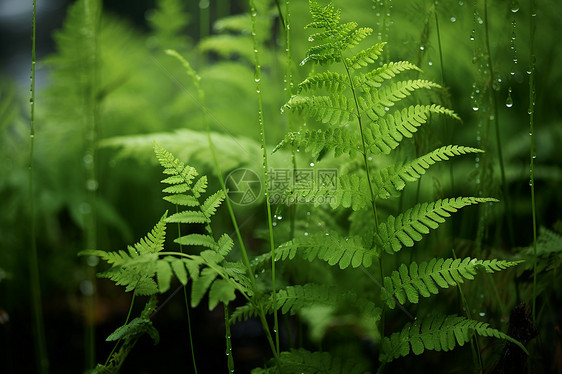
(289, 90)
(126, 321)
(245, 257)
(187, 308)
(532, 27)
(37, 308)
(449, 130)
(365, 161)
(494, 103)
(265, 167)
(474, 345)
(230, 359)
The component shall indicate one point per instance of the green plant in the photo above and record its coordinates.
(368, 115)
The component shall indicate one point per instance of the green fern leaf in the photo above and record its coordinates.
(197, 240)
(294, 298)
(439, 333)
(376, 77)
(319, 142)
(134, 329)
(424, 280)
(135, 270)
(408, 227)
(200, 285)
(378, 101)
(328, 246)
(366, 56)
(163, 275)
(352, 191)
(335, 109)
(331, 81)
(390, 181)
(210, 205)
(221, 291)
(188, 216)
(178, 266)
(385, 134)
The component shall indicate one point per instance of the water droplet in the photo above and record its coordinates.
(530, 183)
(310, 39)
(32, 136)
(274, 224)
(279, 218)
(422, 48)
(453, 19)
(430, 63)
(475, 108)
(203, 4)
(515, 6)
(305, 234)
(509, 100)
(472, 34)
(481, 314)
(92, 185)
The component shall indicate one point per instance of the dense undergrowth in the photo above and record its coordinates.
(346, 190)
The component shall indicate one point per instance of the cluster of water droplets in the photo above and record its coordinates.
(513, 48)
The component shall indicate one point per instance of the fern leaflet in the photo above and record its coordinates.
(408, 227)
(436, 333)
(425, 279)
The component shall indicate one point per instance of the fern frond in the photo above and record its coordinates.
(211, 204)
(335, 109)
(388, 182)
(197, 240)
(408, 227)
(319, 142)
(425, 279)
(303, 361)
(333, 82)
(294, 298)
(365, 57)
(188, 216)
(335, 37)
(439, 333)
(378, 100)
(352, 192)
(375, 78)
(134, 329)
(386, 133)
(329, 247)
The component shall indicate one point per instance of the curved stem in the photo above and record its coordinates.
(38, 324)
(371, 191)
(532, 27)
(494, 103)
(119, 340)
(265, 167)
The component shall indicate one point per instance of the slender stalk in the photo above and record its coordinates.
(289, 91)
(265, 168)
(494, 103)
(218, 171)
(91, 18)
(532, 62)
(474, 345)
(366, 164)
(126, 321)
(187, 308)
(449, 130)
(230, 359)
(35, 284)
